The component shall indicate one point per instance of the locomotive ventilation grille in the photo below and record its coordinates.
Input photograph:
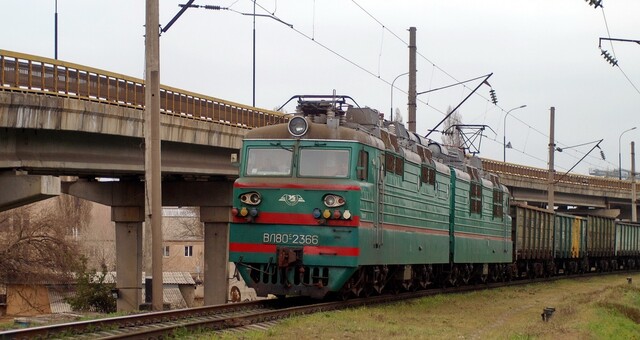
(271, 274)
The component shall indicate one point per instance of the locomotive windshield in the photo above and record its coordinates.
(324, 163)
(268, 162)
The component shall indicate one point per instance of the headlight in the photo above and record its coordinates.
(251, 198)
(333, 201)
(298, 126)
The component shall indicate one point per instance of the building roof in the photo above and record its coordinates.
(168, 278)
(178, 278)
(170, 294)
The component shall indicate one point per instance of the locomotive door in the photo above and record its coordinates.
(378, 219)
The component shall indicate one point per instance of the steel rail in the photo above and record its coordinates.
(27, 73)
(217, 318)
(137, 320)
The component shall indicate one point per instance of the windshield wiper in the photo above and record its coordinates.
(278, 144)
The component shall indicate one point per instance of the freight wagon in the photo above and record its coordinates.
(549, 243)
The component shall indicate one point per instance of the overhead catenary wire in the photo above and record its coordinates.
(544, 134)
(435, 66)
(339, 55)
(613, 51)
(373, 74)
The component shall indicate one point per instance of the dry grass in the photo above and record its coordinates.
(589, 308)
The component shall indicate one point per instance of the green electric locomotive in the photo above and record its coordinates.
(341, 201)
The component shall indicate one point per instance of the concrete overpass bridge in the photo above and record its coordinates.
(611, 196)
(63, 125)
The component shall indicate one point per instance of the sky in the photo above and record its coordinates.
(541, 54)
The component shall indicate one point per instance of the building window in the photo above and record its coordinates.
(165, 251)
(188, 251)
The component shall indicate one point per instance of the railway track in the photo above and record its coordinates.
(256, 314)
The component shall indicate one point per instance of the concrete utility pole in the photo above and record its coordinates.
(634, 210)
(55, 32)
(412, 79)
(552, 147)
(152, 171)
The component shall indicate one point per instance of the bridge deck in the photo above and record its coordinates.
(43, 76)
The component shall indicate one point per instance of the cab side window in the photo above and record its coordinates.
(363, 165)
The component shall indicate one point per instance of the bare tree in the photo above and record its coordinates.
(451, 137)
(74, 212)
(192, 228)
(37, 243)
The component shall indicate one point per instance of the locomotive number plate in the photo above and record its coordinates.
(289, 238)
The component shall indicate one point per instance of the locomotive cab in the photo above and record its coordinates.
(296, 207)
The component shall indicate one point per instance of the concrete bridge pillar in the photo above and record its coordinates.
(126, 199)
(216, 253)
(127, 203)
(128, 256)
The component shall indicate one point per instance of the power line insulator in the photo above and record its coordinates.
(494, 100)
(595, 3)
(611, 60)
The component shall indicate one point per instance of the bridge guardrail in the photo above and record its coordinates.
(28, 73)
(542, 174)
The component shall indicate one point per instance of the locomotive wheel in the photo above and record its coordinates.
(396, 287)
(454, 277)
(368, 285)
(584, 266)
(573, 267)
(368, 290)
(466, 275)
(494, 275)
(508, 273)
(550, 269)
(422, 277)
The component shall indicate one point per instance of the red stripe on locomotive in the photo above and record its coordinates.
(252, 247)
(297, 219)
(307, 250)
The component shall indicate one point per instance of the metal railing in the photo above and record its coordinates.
(28, 73)
(542, 175)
